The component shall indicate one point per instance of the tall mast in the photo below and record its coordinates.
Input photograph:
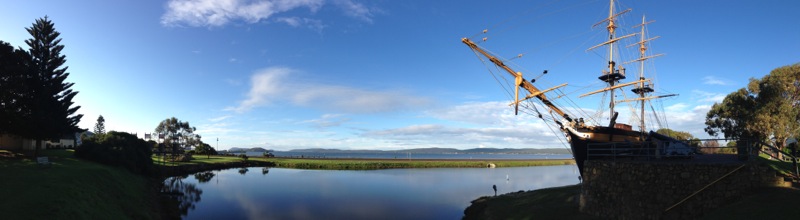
(643, 89)
(611, 31)
(614, 72)
(520, 82)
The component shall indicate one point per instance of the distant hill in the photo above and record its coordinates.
(238, 149)
(443, 151)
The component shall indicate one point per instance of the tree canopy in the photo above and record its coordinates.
(177, 134)
(678, 135)
(767, 109)
(100, 126)
(36, 99)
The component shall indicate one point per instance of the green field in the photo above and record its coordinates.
(367, 164)
(549, 203)
(561, 203)
(371, 164)
(72, 189)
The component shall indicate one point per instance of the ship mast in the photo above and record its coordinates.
(614, 72)
(520, 82)
(643, 89)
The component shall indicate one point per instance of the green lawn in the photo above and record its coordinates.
(782, 167)
(369, 164)
(550, 203)
(71, 189)
(198, 159)
(365, 164)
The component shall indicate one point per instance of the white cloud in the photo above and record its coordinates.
(518, 136)
(313, 24)
(356, 10)
(713, 80)
(703, 96)
(213, 13)
(328, 120)
(217, 119)
(271, 84)
(677, 107)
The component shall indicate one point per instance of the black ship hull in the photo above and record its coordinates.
(598, 137)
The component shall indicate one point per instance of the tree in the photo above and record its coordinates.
(118, 149)
(12, 74)
(678, 135)
(100, 126)
(177, 134)
(767, 110)
(50, 112)
(206, 149)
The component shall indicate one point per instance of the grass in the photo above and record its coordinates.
(561, 203)
(782, 167)
(549, 203)
(197, 159)
(766, 203)
(71, 189)
(366, 164)
(371, 164)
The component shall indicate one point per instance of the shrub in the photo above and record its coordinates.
(118, 149)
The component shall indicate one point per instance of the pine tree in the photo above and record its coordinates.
(12, 73)
(100, 126)
(52, 111)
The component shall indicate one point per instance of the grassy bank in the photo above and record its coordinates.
(371, 164)
(72, 189)
(550, 203)
(561, 203)
(367, 164)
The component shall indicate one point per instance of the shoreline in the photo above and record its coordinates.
(201, 163)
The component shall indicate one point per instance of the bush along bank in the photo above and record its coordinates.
(186, 169)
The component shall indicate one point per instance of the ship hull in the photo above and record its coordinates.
(581, 140)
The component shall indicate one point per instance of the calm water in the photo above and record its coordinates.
(332, 194)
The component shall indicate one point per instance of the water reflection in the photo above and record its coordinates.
(204, 177)
(181, 194)
(375, 194)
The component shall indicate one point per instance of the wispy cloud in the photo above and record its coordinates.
(328, 120)
(271, 84)
(356, 10)
(215, 13)
(312, 24)
(703, 96)
(520, 136)
(220, 118)
(713, 80)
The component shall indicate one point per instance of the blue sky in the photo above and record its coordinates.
(383, 74)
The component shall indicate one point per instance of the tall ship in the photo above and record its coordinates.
(595, 136)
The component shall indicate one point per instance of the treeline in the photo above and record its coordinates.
(35, 96)
(767, 109)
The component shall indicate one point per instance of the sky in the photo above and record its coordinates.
(358, 74)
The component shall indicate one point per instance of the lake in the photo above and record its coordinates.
(279, 193)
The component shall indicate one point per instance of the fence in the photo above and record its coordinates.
(661, 149)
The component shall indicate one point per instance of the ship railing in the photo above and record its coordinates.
(675, 149)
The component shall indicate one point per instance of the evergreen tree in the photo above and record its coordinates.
(52, 113)
(100, 126)
(12, 75)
